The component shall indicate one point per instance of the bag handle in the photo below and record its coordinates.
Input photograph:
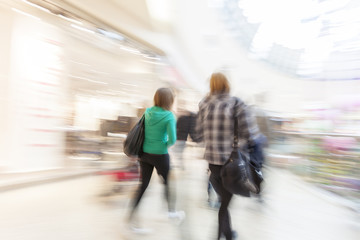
(236, 125)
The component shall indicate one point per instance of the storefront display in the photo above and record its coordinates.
(323, 149)
(68, 83)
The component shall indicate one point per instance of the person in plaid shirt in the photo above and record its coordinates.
(215, 127)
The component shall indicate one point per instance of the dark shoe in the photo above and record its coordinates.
(234, 235)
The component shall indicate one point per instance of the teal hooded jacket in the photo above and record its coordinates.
(160, 130)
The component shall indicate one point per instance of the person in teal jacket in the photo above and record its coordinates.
(160, 134)
(160, 130)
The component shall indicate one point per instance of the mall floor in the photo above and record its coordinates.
(73, 209)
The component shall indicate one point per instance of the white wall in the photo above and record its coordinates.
(34, 97)
(5, 38)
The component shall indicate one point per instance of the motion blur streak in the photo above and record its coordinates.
(75, 76)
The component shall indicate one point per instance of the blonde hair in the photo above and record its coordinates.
(164, 98)
(219, 84)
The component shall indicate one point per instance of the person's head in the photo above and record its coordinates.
(219, 84)
(164, 98)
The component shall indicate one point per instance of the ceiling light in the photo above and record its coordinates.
(70, 19)
(37, 6)
(82, 28)
(26, 14)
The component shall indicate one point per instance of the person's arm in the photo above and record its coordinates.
(171, 131)
(192, 124)
(244, 131)
(250, 132)
(199, 127)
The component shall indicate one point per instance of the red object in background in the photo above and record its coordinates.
(122, 175)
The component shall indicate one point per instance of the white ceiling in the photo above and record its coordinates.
(197, 43)
(131, 18)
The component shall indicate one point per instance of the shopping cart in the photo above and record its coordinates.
(120, 180)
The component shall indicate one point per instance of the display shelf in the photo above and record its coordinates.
(335, 168)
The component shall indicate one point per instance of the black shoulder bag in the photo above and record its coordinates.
(134, 141)
(239, 175)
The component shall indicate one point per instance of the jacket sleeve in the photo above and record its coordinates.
(171, 131)
(192, 125)
(198, 135)
(246, 124)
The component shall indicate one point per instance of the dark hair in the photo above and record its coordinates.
(219, 84)
(164, 98)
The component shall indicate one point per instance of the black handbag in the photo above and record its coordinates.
(239, 174)
(134, 141)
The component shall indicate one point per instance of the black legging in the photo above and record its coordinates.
(147, 163)
(224, 216)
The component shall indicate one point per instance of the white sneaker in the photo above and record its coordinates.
(177, 215)
(140, 230)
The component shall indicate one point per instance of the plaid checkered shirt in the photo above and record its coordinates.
(215, 126)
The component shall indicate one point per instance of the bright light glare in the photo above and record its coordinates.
(89, 80)
(26, 14)
(82, 28)
(159, 10)
(131, 50)
(70, 19)
(276, 10)
(315, 27)
(111, 35)
(37, 6)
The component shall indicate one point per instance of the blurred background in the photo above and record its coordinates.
(75, 76)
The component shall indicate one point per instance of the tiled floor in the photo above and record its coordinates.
(72, 210)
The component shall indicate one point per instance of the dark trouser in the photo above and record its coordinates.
(224, 216)
(147, 163)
